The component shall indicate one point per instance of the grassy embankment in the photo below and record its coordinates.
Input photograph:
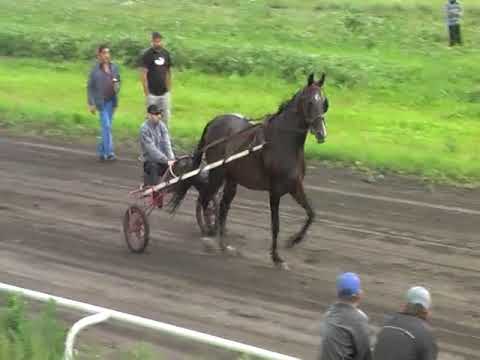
(400, 99)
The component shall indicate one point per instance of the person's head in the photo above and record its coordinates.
(103, 54)
(157, 39)
(418, 302)
(349, 288)
(154, 113)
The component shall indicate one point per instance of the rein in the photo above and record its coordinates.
(226, 138)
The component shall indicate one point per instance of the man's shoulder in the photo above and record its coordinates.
(94, 67)
(146, 53)
(145, 126)
(163, 127)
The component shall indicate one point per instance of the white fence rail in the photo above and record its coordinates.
(101, 314)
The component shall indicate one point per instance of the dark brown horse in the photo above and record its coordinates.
(278, 168)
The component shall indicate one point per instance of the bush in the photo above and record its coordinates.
(218, 59)
(40, 338)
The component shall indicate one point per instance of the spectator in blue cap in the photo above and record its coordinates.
(407, 335)
(344, 331)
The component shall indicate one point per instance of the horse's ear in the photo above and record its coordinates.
(311, 79)
(322, 80)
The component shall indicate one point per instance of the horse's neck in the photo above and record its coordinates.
(288, 128)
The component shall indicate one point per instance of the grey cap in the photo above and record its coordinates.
(419, 295)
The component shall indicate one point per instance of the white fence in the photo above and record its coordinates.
(101, 314)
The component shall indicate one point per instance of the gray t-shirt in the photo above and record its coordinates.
(345, 334)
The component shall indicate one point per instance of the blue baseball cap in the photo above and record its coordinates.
(348, 284)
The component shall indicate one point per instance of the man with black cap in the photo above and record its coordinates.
(156, 146)
(407, 335)
(156, 76)
(344, 331)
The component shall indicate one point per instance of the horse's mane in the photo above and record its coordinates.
(283, 105)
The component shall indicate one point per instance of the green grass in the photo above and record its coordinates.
(42, 337)
(23, 338)
(439, 143)
(401, 100)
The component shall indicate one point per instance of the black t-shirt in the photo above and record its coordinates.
(158, 63)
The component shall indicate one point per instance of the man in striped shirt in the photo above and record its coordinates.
(453, 11)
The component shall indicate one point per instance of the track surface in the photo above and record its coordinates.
(60, 221)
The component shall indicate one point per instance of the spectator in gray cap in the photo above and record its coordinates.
(407, 335)
(344, 330)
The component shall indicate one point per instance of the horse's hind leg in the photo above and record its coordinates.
(207, 190)
(229, 192)
(302, 200)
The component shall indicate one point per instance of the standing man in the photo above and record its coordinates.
(407, 335)
(102, 93)
(156, 76)
(344, 331)
(453, 10)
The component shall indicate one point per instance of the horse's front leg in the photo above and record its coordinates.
(299, 195)
(274, 208)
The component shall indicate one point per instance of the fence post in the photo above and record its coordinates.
(79, 326)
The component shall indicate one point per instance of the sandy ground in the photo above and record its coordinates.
(60, 221)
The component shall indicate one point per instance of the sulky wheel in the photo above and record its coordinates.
(136, 229)
(207, 220)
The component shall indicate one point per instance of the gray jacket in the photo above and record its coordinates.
(345, 334)
(155, 142)
(96, 85)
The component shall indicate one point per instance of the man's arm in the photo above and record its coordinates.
(361, 337)
(430, 349)
(169, 72)
(149, 146)
(90, 99)
(143, 63)
(143, 80)
(169, 80)
(169, 154)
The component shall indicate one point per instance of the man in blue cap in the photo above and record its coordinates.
(344, 331)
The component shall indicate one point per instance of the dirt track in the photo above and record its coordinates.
(60, 215)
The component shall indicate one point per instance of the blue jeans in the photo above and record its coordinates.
(106, 118)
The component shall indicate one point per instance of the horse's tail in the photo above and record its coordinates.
(182, 187)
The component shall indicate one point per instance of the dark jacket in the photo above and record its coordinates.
(405, 337)
(345, 334)
(97, 83)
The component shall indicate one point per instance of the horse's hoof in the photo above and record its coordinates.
(294, 240)
(209, 244)
(290, 243)
(282, 266)
(231, 251)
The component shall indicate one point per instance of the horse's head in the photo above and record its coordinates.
(314, 105)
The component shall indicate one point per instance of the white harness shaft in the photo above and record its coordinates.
(195, 172)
